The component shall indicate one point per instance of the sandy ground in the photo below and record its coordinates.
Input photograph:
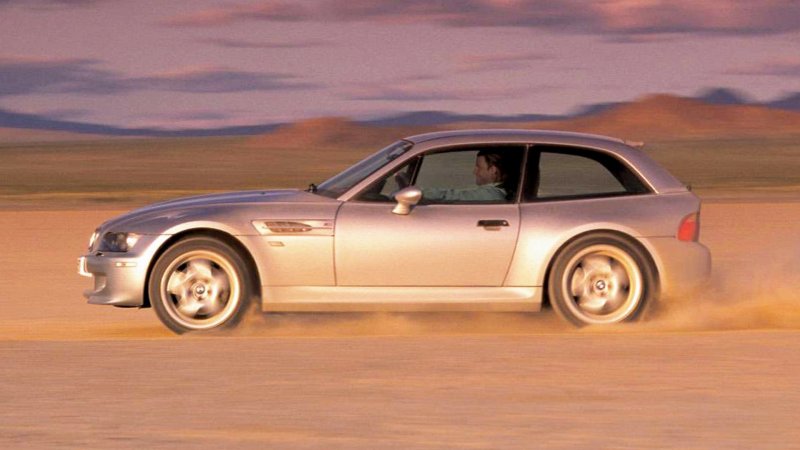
(717, 370)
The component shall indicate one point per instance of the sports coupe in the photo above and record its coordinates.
(497, 220)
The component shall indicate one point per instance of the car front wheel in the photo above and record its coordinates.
(199, 284)
(601, 279)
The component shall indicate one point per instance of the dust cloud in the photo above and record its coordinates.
(398, 324)
(760, 292)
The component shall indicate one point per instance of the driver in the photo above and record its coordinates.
(490, 179)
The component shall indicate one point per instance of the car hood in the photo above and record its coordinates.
(157, 217)
(282, 195)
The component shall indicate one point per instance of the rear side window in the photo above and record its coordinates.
(558, 173)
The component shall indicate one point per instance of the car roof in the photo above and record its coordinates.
(490, 135)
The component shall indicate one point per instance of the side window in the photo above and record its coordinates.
(449, 170)
(486, 174)
(575, 173)
(383, 190)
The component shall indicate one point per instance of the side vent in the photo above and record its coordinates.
(288, 227)
(308, 227)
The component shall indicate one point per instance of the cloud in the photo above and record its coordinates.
(66, 113)
(219, 80)
(211, 115)
(602, 17)
(25, 76)
(410, 93)
(691, 16)
(21, 76)
(462, 13)
(243, 44)
(786, 67)
(272, 10)
(505, 62)
(187, 119)
(613, 17)
(47, 3)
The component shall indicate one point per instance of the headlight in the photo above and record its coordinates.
(118, 242)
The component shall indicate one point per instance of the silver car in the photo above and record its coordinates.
(497, 220)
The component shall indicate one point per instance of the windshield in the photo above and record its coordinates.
(341, 183)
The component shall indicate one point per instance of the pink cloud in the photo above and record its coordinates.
(783, 67)
(268, 10)
(245, 44)
(605, 17)
(486, 63)
(710, 16)
(215, 80)
(413, 93)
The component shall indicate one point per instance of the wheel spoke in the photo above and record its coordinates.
(189, 308)
(200, 268)
(220, 282)
(177, 284)
(578, 284)
(592, 303)
(594, 264)
(620, 275)
(212, 306)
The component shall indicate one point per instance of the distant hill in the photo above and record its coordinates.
(722, 96)
(17, 135)
(716, 111)
(653, 117)
(667, 116)
(596, 108)
(713, 96)
(10, 119)
(791, 102)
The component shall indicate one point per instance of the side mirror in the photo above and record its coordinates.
(406, 199)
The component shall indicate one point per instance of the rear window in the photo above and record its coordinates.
(556, 173)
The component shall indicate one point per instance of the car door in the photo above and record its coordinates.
(453, 242)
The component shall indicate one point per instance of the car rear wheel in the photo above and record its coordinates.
(601, 279)
(199, 284)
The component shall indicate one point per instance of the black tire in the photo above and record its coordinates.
(200, 284)
(601, 279)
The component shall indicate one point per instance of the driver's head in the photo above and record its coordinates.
(488, 168)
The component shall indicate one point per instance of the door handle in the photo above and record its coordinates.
(492, 223)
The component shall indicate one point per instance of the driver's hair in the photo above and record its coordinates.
(506, 165)
(495, 158)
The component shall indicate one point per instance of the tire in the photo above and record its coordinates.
(199, 284)
(601, 279)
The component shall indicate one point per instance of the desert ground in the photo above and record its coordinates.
(715, 369)
(718, 369)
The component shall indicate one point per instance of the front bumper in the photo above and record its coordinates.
(119, 278)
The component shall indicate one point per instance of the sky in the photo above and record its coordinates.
(213, 63)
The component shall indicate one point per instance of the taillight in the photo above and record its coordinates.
(689, 229)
